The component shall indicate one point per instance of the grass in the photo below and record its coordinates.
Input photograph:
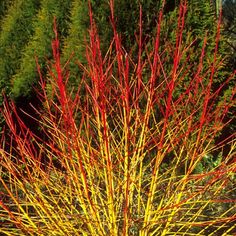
(119, 153)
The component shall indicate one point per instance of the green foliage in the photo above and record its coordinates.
(74, 42)
(4, 5)
(39, 45)
(16, 30)
(208, 163)
(229, 29)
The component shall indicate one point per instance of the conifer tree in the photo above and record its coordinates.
(39, 45)
(15, 33)
(73, 48)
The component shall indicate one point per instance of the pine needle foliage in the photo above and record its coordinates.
(39, 45)
(13, 37)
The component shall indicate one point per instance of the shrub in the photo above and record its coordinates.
(122, 156)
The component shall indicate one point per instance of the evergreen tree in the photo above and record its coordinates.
(15, 33)
(73, 48)
(39, 45)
